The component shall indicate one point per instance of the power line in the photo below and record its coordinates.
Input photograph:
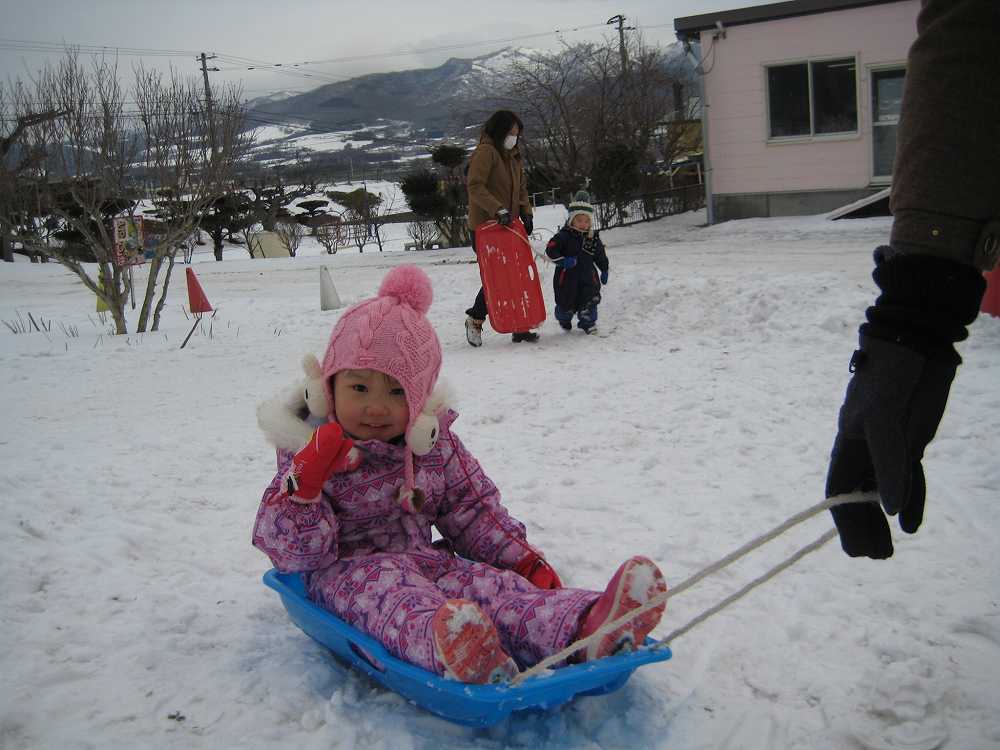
(442, 48)
(290, 70)
(295, 69)
(26, 45)
(38, 46)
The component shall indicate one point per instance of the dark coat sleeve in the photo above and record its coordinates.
(556, 248)
(600, 255)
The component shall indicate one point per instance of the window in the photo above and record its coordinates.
(887, 96)
(812, 98)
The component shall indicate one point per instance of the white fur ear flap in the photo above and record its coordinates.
(312, 390)
(311, 367)
(441, 398)
(423, 434)
(280, 422)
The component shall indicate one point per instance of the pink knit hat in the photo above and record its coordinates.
(389, 334)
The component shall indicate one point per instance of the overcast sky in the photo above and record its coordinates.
(385, 34)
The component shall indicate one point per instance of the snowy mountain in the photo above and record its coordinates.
(272, 98)
(389, 117)
(431, 99)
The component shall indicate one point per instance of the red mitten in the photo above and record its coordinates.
(533, 567)
(326, 453)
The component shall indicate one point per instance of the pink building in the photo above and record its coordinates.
(800, 102)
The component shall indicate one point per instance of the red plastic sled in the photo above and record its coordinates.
(510, 279)
(991, 300)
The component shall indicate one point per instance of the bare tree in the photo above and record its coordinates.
(582, 107)
(380, 212)
(550, 92)
(188, 244)
(290, 234)
(103, 162)
(649, 96)
(333, 234)
(423, 233)
(17, 160)
(366, 213)
(679, 133)
(363, 215)
(358, 228)
(249, 237)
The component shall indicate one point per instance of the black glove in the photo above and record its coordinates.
(528, 221)
(503, 217)
(902, 376)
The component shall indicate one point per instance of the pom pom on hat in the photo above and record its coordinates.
(410, 286)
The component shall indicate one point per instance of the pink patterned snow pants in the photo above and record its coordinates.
(393, 597)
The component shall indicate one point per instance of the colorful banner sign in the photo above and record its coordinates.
(128, 241)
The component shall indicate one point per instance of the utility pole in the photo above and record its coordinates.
(209, 107)
(619, 20)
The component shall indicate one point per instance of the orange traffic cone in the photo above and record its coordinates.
(197, 300)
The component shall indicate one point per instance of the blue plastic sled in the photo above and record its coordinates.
(469, 705)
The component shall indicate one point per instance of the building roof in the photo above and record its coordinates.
(690, 27)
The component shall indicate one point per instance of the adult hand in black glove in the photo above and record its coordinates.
(892, 409)
(503, 217)
(902, 376)
(528, 221)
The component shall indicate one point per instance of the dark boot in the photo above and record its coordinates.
(474, 331)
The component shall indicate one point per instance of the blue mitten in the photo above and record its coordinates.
(604, 277)
(568, 262)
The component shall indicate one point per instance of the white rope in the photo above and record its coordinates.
(811, 547)
(729, 559)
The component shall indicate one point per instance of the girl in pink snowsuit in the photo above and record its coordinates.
(353, 511)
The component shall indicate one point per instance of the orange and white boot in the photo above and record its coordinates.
(634, 583)
(468, 644)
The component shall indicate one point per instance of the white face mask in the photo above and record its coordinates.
(509, 142)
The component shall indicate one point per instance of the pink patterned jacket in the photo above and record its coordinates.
(362, 515)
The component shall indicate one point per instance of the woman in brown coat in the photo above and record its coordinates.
(497, 192)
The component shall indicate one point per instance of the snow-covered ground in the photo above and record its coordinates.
(133, 614)
(294, 138)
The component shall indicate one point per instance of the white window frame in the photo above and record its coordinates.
(878, 179)
(811, 136)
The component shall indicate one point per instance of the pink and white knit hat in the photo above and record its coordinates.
(390, 334)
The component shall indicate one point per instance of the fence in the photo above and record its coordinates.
(649, 206)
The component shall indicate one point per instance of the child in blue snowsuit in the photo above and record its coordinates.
(581, 267)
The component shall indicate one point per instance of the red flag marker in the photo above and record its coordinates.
(197, 300)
